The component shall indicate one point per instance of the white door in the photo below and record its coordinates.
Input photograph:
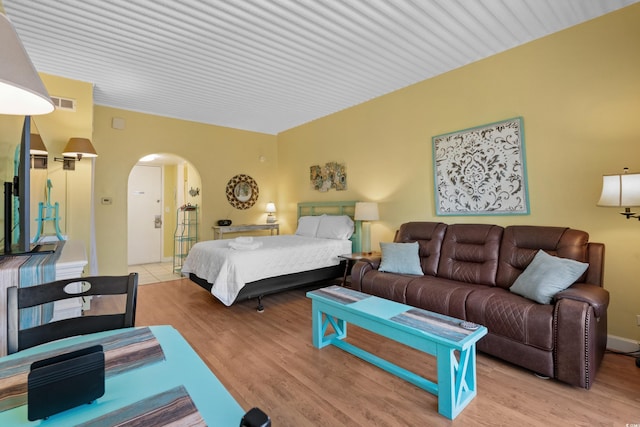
(145, 215)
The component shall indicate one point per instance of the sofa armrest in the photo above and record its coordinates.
(360, 268)
(594, 295)
(580, 340)
(595, 272)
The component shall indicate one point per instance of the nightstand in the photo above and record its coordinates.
(352, 259)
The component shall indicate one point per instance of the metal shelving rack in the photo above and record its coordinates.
(186, 234)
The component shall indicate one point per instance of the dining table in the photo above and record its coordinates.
(152, 377)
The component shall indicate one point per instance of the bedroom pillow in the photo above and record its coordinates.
(308, 226)
(546, 276)
(401, 258)
(339, 227)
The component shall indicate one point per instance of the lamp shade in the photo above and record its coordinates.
(620, 190)
(79, 147)
(366, 211)
(271, 207)
(37, 145)
(21, 89)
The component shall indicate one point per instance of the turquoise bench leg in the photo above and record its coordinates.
(322, 336)
(456, 380)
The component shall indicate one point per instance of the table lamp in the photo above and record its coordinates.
(270, 209)
(21, 89)
(22, 93)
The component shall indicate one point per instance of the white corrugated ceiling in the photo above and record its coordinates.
(270, 65)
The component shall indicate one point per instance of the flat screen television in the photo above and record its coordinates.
(21, 187)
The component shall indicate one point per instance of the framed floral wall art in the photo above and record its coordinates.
(331, 175)
(481, 171)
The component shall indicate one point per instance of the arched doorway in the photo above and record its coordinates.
(159, 184)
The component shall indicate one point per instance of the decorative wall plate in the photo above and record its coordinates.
(242, 191)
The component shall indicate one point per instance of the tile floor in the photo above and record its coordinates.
(154, 273)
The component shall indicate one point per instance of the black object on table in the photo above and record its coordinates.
(63, 382)
(255, 418)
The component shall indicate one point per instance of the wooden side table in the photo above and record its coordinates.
(220, 230)
(353, 258)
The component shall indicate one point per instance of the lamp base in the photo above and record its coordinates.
(366, 237)
(627, 212)
(68, 163)
(271, 219)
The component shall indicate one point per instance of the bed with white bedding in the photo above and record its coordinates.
(252, 267)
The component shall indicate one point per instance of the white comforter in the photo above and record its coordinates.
(228, 269)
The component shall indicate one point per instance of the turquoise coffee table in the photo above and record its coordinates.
(441, 336)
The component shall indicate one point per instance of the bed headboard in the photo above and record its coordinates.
(335, 208)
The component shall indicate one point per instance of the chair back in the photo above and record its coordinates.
(89, 322)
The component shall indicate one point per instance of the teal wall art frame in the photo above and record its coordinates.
(481, 170)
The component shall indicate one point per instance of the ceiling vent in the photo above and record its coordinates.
(66, 104)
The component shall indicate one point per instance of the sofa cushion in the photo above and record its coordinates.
(512, 316)
(429, 236)
(386, 285)
(470, 253)
(520, 243)
(442, 296)
(547, 275)
(401, 258)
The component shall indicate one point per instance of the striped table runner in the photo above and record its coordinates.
(171, 408)
(123, 351)
(30, 270)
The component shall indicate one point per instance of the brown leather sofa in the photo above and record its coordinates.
(468, 269)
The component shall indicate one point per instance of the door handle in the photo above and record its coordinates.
(158, 221)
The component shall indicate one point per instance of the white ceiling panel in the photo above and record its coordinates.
(270, 65)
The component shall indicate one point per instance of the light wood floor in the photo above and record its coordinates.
(267, 360)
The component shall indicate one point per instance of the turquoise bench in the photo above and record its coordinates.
(442, 336)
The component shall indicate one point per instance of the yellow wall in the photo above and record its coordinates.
(216, 153)
(170, 208)
(71, 188)
(578, 92)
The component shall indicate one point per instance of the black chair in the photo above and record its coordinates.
(33, 296)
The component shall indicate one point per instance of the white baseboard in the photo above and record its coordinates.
(623, 345)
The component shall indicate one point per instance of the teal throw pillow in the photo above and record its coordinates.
(547, 275)
(401, 258)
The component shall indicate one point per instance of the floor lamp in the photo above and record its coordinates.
(622, 191)
(366, 212)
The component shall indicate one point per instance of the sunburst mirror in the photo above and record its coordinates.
(242, 191)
